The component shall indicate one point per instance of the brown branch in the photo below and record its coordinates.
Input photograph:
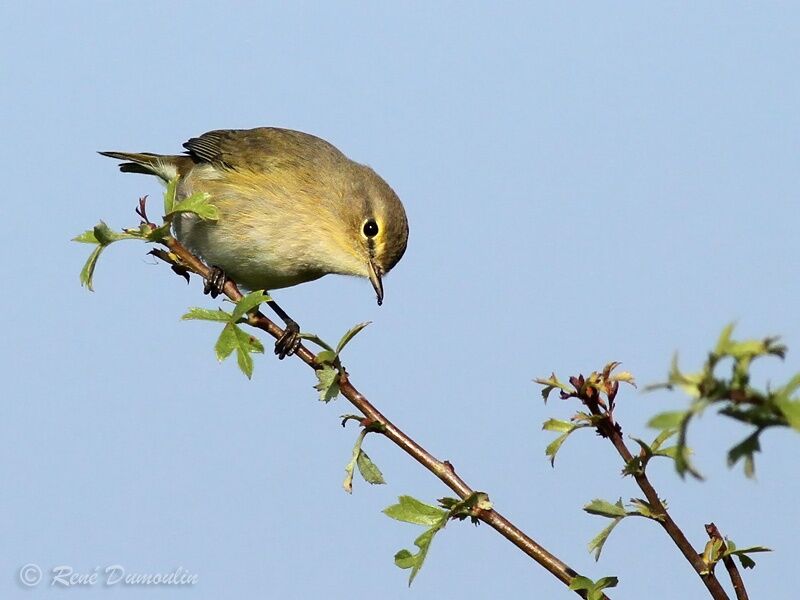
(608, 428)
(730, 564)
(441, 469)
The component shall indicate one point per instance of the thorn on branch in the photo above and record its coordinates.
(177, 267)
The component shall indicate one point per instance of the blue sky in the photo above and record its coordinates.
(584, 183)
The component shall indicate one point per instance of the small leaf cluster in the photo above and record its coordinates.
(330, 367)
(716, 550)
(102, 236)
(638, 464)
(617, 511)
(734, 395)
(411, 510)
(232, 336)
(597, 392)
(368, 469)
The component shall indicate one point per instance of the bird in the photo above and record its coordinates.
(291, 208)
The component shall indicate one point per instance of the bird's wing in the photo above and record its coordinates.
(259, 149)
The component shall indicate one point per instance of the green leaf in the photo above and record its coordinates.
(683, 464)
(198, 204)
(205, 314)
(553, 447)
(647, 450)
(328, 383)
(598, 541)
(662, 437)
(87, 272)
(790, 410)
(411, 510)
(347, 484)
(226, 342)
(558, 425)
(746, 449)
(602, 584)
(724, 341)
(742, 553)
(790, 388)
(688, 382)
(711, 554)
(102, 235)
(105, 235)
(351, 417)
(670, 452)
(604, 508)
(551, 384)
(351, 333)
(405, 560)
(622, 376)
(326, 357)
(368, 469)
(169, 195)
(563, 426)
(645, 509)
(638, 463)
(593, 589)
(312, 337)
(234, 338)
(668, 420)
(790, 407)
(448, 502)
(87, 237)
(248, 303)
(747, 562)
(245, 344)
(747, 349)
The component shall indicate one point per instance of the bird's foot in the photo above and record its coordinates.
(289, 342)
(215, 284)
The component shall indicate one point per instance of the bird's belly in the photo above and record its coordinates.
(253, 262)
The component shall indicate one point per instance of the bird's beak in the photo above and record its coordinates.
(375, 280)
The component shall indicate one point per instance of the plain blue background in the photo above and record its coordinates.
(584, 183)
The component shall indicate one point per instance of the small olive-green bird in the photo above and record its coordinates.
(292, 207)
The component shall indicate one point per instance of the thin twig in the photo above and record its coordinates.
(441, 469)
(730, 564)
(609, 429)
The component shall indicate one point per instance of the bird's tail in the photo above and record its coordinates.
(163, 167)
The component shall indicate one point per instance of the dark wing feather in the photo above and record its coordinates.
(207, 147)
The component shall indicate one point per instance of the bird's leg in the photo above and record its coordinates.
(215, 283)
(289, 342)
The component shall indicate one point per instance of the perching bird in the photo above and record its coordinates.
(292, 208)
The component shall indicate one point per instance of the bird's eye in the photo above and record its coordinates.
(370, 228)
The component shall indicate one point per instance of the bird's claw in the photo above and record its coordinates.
(289, 342)
(215, 284)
